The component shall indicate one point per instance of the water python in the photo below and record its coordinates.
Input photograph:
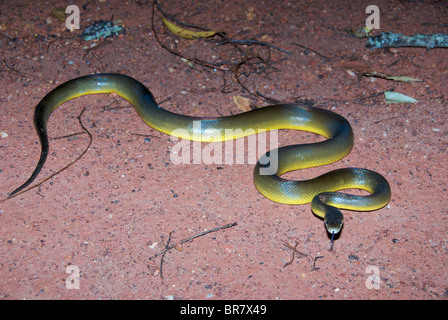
(321, 191)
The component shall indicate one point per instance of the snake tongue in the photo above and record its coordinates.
(332, 241)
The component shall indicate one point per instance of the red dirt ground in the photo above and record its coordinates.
(116, 207)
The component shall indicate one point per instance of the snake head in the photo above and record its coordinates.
(333, 221)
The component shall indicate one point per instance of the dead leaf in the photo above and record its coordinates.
(403, 79)
(250, 14)
(59, 13)
(242, 103)
(266, 38)
(187, 34)
(396, 97)
(360, 32)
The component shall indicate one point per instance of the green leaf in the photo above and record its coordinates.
(395, 97)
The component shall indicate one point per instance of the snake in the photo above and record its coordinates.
(323, 192)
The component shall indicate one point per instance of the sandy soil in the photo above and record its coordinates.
(116, 207)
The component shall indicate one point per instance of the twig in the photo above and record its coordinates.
(109, 108)
(316, 52)
(144, 135)
(391, 118)
(294, 251)
(314, 263)
(244, 86)
(163, 255)
(68, 135)
(251, 42)
(191, 238)
(12, 69)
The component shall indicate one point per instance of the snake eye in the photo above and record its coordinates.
(265, 165)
